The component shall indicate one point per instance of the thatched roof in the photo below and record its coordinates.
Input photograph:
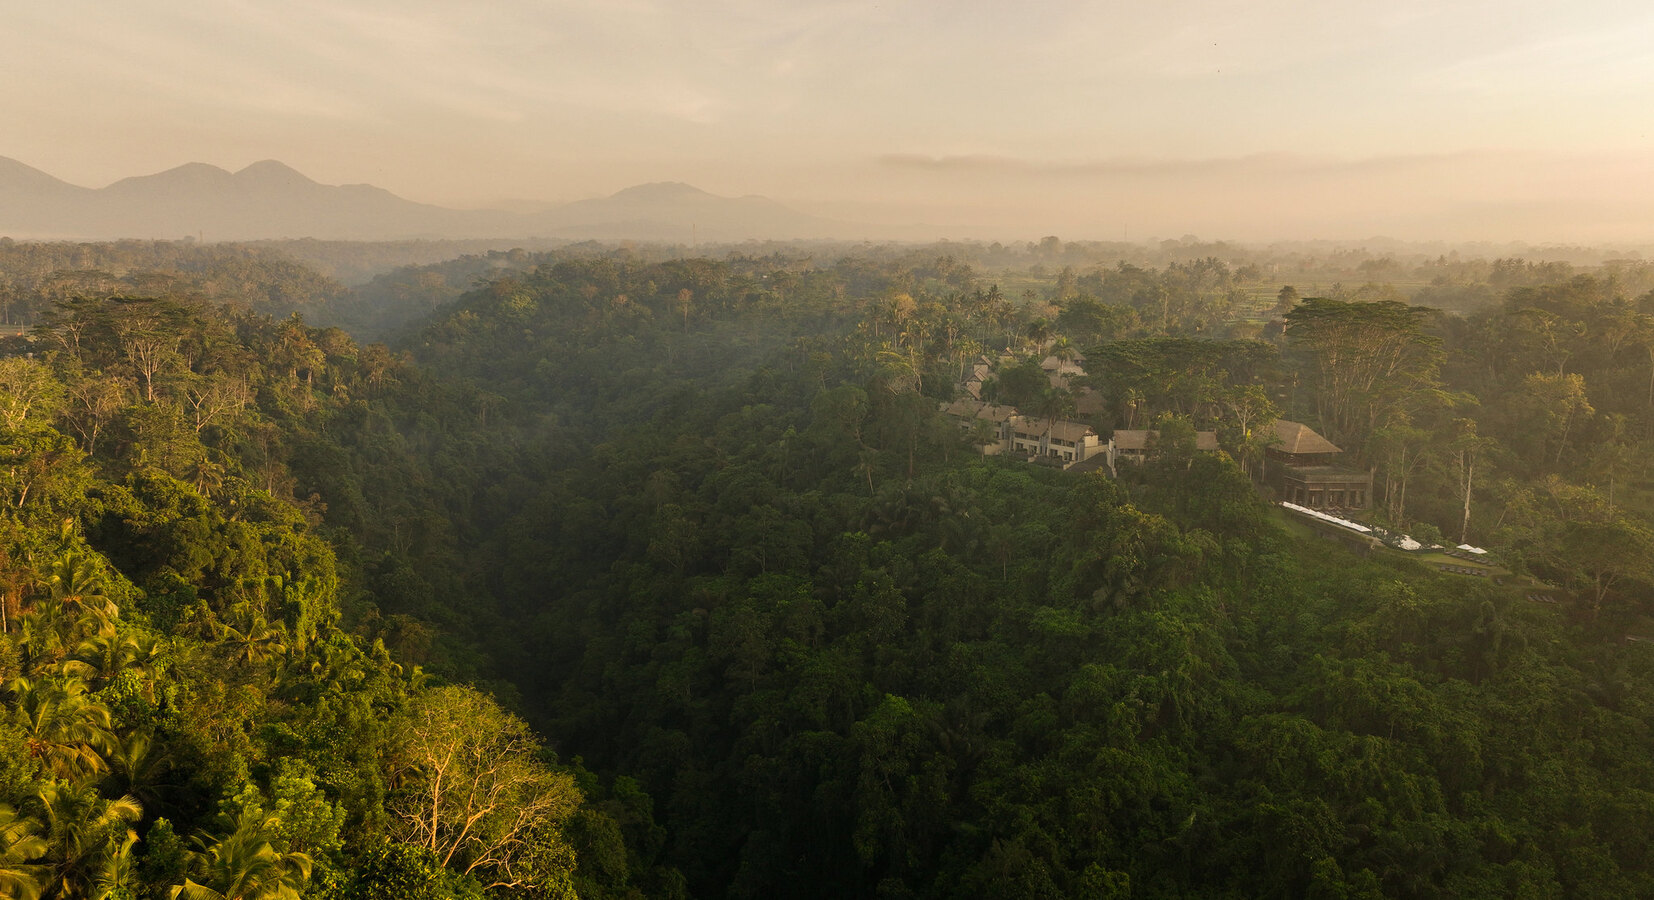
(1137, 439)
(1297, 437)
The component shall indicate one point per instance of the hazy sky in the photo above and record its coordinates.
(1249, 119)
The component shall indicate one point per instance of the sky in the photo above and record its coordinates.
(1227, 119)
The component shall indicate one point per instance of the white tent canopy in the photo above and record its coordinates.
(1317, 514)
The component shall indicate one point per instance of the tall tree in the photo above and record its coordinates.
(1365, 361)
(1606, 552)
(1464, 452)
(1286, 300)
(27, 389)
(1559, 402)
(472, 791)
(1398, 449)
(149, 331)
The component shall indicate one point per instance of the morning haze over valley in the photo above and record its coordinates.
(550, 449)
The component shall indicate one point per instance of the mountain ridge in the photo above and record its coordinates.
(269, 199)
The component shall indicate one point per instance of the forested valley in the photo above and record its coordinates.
(620, 573)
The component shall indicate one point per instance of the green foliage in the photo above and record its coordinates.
(846, 665)
(20, 845)
(1368, 361)
(301, 817)
(246, 864)
(392, 871)
(474, 794)
(171, 630)
(699, 523)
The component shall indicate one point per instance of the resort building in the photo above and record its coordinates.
(1300, 466)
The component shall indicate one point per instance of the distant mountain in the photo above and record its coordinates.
(269, 200)
(45, 205)
(676, 212)
(18, 180)
(264, 200)
(673, 211)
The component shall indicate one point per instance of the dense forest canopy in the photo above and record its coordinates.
(628, 573)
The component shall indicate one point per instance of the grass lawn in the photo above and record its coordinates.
(1303, 529)
(1436, 557)
(1295, 525)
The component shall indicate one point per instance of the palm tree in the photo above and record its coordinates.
(44, 637)
(77, 583)
(64, 728)
(20, 843)
(74, 610)
(1038, 331)
(136, 766)
(1134, 401)
(982, 433)
(1053, 404)
(116, 877)
(253, 638)
(102, 657)
(245, 866)
(1065, 351)
(89, 841)
(207, 476)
